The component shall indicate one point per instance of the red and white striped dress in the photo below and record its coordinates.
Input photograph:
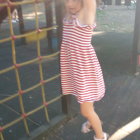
(81, 74)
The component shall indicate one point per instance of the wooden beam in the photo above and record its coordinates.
(49, 22)
(59, 18)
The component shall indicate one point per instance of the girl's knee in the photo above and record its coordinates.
(87, 110)
(87, 114)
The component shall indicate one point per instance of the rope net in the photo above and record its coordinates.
(23, 115)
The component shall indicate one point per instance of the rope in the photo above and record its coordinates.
(24, 116)
(16, 70)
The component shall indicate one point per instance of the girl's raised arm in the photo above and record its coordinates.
(89, 11)
(89, 4)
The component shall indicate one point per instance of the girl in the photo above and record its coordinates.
(81, 74)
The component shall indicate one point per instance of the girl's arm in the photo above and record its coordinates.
(89, 11)
(89, 4)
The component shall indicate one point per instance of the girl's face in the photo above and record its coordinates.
(73, 6)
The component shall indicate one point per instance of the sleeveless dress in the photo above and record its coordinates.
(81, 74)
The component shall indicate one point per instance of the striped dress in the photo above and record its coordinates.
(81, 74)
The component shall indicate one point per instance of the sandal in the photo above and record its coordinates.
(106, 136)
(86, 127)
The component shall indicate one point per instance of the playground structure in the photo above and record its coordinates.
(19, 95)
(32, 43)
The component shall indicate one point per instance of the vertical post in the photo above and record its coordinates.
(66, 100)
(21, 21)
(49, 21)
(59, 5)
(113, 2)
(66, 105)
(136, 41)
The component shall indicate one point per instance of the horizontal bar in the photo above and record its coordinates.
(12, 123)
(8, 98)
(30, 113)
(5, 40)
(29, 62)
(7, 69)
(28, 34)
(29, 89)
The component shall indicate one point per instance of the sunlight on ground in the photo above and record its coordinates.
(32, 15)
(98, 33)
(126, 130)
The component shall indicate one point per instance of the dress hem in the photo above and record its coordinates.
(91, 100)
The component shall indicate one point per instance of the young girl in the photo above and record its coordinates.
(81, 74)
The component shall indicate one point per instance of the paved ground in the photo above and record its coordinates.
(120, 106)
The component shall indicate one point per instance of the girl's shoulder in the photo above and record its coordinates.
(74, 20)
(84, 25)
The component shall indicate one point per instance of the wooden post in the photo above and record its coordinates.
(59, 18)
(113, 2)
(66, 105)
(136, 41)
(20, 17)
(66, 100)
(49, 21)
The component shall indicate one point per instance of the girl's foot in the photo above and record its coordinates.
(106, 136)
(86, 127)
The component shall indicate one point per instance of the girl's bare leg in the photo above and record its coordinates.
(87, 110)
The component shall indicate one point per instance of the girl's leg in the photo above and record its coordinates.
(87, 110)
